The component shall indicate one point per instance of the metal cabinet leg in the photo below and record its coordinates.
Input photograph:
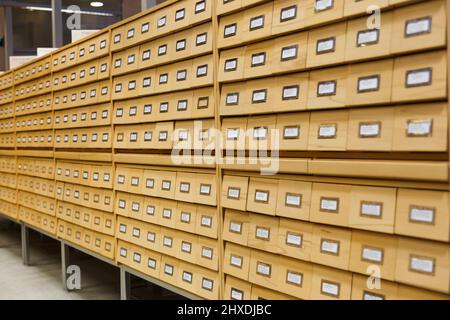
(25, 235)
(64, 263)
(125, 284)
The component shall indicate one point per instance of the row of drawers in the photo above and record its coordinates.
(195, 219)
(7, 164)
(99, 199)
(36, 185)
(182, 45)
(179, 135)
(32, 71)
(183, 186)
(6, 80)
(335, 247)
(7, 125)
(37, 202)
(404, 260)
(73, 55)
(164, 75)
(91, 116)
(41, 121)
(8, 194)
(339, 43)
(263, 21)
(34, 139)
(180, 245)
(89, 94)
(36, 104)
(195, 279)
(99, 176)
(33, 88)
(8, 209)
(6, 111)
(191, 104)
(6, 96)
(7, 140)
(97, 242)
(237, 289)
(8, 180)
(98, 115)
(312, 11)
(410, 212)
(409, 78)
(81, 74)
(88, 218)
(401, 128)
(91, 137)
(182, 75)
(42, 168)
(436, 9)
(169, 19)
(38, 219)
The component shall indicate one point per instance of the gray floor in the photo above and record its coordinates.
(42, 280)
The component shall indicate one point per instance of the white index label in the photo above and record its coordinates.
(293, 200)
(294, 278)
(369, 130)
(167, 241)
(236, 294)
(289, 53)
(230, 64)
(263, 233)
(207, 253)
(326, 45)
(236, 261)
(230, 30)
(262, 196)
(418, 26)
(234, 193)
(367, 37)
(256, 23)
(288, 13)
(322, 5)
(161, 22)
(186, 246)
(419, 127)
(258, 59)
(136, 232)
(330, 288)
(421, 214)
(372, 254)
(329, 246)
(369, 84)
(291, 132)
(235, 227)
(263, 269)
(416, 78)
(329, 204)
(206, 221)
(327, 131)
(372, 297)
(371, 209)
(207, 284)
(294, 239)
(421, 264)
(326, 88)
